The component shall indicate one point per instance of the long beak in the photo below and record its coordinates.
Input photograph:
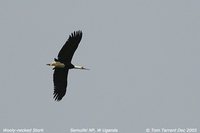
(48, 64)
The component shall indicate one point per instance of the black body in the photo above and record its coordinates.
(65, 56)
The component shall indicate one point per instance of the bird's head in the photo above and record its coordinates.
(51, 64)
(81, 67)
(56, 64)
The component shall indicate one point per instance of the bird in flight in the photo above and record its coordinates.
(62, 64)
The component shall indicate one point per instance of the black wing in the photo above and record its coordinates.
(66, 53)
(60, 83)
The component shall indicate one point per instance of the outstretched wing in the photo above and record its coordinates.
(66, 53)
(60, 83)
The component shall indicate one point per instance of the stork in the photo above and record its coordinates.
(62, 64)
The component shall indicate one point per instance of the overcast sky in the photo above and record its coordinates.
(143, 55)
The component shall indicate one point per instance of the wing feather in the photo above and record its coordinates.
(60, 83)
(67, 51)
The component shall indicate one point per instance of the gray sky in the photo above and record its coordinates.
(143, 55)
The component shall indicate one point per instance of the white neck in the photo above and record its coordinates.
(56, 64)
